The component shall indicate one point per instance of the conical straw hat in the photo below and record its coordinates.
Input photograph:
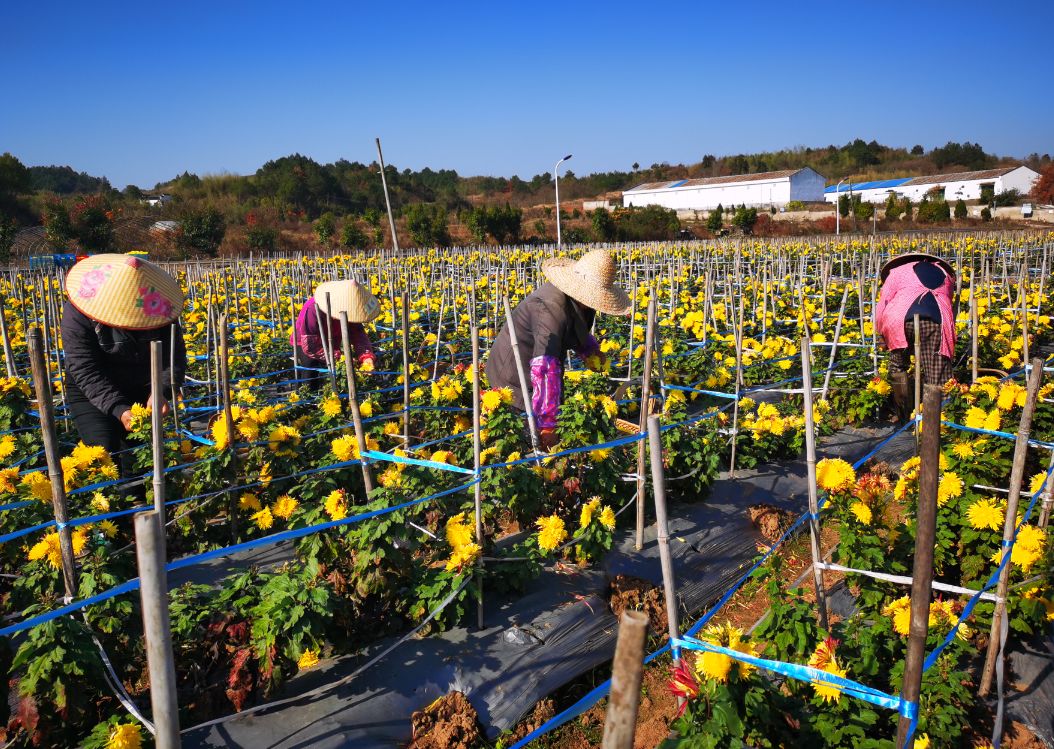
(124, 291)
(589, 280)
(911, 257)
(347, 296)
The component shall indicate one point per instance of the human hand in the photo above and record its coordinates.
(126, 420)
(165, 408)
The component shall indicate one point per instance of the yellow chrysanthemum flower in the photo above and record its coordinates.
(950, 487)
(862, 512)
(587, 512)
(125, 736)
(331, 406)
(719, 666)
(607, 518)
(551, 533)
(307, 659)
(834, 475)
(336, 505)
(463, 556)
(985, 514)
(263, 519)
(284, 507)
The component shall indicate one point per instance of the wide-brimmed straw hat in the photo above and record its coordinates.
(589, 280)
(911, 257)
(347, 296)
(124, 291)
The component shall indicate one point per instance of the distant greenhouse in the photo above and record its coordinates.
(955, 186)
(759, 190)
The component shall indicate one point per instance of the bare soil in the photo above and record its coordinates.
(448, 723)
(635, 594)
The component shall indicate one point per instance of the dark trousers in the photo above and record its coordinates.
(313, 380)
(104, 430)
(936, 369)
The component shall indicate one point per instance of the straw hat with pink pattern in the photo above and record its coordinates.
(124, 291)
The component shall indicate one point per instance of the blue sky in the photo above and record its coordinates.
(140, 92)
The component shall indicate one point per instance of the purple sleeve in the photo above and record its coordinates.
(360, 342)
(590, 347)
(546, 390)
(307, 332)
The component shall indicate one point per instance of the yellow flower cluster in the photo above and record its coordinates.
(336, 504)
(605, 516)
(551, 533)
(719, 666)
(87, 464)
(1029, 547)
(283, 441)
(943, 613)
(460, 536)
(834, 475)
(125, 736)
(824, 658)
(49, 548)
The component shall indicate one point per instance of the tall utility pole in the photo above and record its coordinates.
(556, 179)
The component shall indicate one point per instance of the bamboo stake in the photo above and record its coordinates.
(9, 355)
(834, 344)
(1017, 474)
(627, 670)
(810, 462)
(157, 432)
(387, 200)
(46, 411)
(477, 463)
(228, 419)
(153, 591)
(922, 573)
(973, 330)
(645, 412)
(662, 526)
(406, 368)
(353, 403)
(532, 427)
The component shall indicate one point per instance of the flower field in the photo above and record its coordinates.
(417, 525)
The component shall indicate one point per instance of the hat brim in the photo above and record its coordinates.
(360, 305)
(911, 257)
(610, 300)
(123, 292)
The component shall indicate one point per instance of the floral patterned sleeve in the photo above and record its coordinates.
(546, 390)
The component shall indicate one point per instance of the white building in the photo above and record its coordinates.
(762, 190)
(952, 187)
(156, 200)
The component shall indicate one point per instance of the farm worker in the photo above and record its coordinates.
(309, 340)
(555, 318)
(116, 306)
(917, 284)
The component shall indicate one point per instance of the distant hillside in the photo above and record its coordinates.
(62, 180)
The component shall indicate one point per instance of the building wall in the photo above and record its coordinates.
(807, 186)
(708, 197)
(1020, 179)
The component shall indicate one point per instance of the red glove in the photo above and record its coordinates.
(548, 439)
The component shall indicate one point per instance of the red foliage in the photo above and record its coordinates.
(1043, 190)
(826, 224)
(240, 679)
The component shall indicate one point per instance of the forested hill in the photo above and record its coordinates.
(301, 185)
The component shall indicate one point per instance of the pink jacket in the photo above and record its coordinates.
(899, 292)
(308, 337)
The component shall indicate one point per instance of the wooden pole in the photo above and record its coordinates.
(834, 344)
(406, 369)
(531, 425)
(645, 412)
(228, 418)
(9, 356)
(973, 330)
(157, 432)
(627, 671)
(1017, 475)
(658, 480)
(153, 590)
(353, 402)
(810, 462)
(922, 573)
(46, 410)
(477, 462)
(387, 200)
(1048, 495)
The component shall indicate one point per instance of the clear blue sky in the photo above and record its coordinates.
(140, 92)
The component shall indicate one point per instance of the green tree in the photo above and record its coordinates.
(960, 209)
(715, 220)
(844, 204)
(325, 226)
(202, 231)
(503, 224)
(262, 238)
(646, 224)
(8, 230)
(56, 219)
(604, 227)
(427, 224)
(986, 214)
(863, 210)
(92, 222)
(893, 210)
(14, 177)
(352, 236)
(745, 218)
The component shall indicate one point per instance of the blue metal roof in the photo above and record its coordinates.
(874, 185)
(678, 183)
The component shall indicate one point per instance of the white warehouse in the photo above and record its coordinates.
(763, 189)
(952, 187)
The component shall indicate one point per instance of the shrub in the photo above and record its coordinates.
(262, 238)
(325, 227)
(960, 209)
(715, 220)
(353, 237)
(604, 227)
(795, 205)
(428, 225)
(202, 231)
(986, 214)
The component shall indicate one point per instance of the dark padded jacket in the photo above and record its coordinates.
(548, 325)
(109, 367)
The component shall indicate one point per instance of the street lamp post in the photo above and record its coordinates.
(838, 207)
(556, 179)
